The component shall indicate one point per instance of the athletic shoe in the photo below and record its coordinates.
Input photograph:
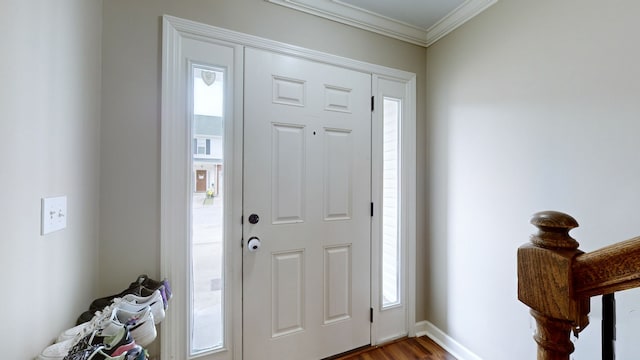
(140, 323)
(57, 351)
(131, 303)
(154, 301)
(137, 353)
(143, 286)
(149, 283)
(88, 326)
(138, 316)
(97, 352)
(106, 301)
(115, 338)
(103, 302)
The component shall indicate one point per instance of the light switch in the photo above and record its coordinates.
(54, 214)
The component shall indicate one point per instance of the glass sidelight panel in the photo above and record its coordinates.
(207, 210)
(391, 261)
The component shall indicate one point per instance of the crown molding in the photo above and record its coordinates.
(463, 13)
(339, 11)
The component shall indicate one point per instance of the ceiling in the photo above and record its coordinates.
(420, 22)
(421, 13)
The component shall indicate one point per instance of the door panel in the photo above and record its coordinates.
(306, 290)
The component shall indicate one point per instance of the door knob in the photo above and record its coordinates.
(253, 244)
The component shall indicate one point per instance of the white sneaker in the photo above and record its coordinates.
(86, 328)
(131, 306)
(138, 317)
(140, 323)
(154, 301)
(57, 351)
(113, 332)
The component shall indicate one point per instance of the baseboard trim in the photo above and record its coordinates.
(447, 342)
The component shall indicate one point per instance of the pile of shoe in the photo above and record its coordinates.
(116, 327)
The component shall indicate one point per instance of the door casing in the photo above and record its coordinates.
(175, 154)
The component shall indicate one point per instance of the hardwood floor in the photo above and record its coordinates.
(421, 348)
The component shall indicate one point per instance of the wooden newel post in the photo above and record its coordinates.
(545, 284)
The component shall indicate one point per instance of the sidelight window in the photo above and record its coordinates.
(207, 211)
(390, 200)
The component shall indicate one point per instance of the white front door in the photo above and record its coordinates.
(307, 194)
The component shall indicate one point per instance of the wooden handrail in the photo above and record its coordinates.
(556, 280)
(607, 270)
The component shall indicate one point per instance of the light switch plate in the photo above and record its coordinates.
(54, 214)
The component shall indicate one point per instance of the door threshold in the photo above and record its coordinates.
(355, 351)
(362, 349)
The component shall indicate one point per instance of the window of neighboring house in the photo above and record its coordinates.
(202, 147)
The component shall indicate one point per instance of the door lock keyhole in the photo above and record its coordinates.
(253, 219)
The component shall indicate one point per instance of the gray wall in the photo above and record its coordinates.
(130, 134)
(49, 129)
(532, 105)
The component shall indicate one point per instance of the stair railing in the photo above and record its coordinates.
(557, 280)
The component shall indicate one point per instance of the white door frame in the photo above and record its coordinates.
(397, 320)
(175, 153)
(176, 187)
